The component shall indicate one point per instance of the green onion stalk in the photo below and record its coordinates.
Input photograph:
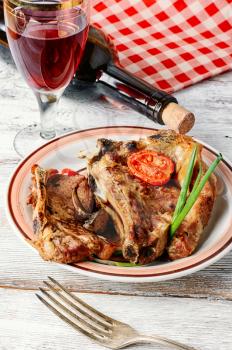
(193, 196)
(184, 189)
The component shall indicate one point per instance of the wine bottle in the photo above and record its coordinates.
(3, 39)
(100, 64)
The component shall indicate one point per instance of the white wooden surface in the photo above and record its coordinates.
(194, 309)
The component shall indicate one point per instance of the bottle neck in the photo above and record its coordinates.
(136, 93)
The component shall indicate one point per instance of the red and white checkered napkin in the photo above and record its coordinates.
(169, 43)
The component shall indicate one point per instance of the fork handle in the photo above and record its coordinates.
(155, 339)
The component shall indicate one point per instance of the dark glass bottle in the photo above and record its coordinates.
(100, 63)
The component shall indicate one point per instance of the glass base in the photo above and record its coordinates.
(29, 138)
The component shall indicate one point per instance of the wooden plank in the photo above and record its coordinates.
(210, 100)
(26, 324)
(20, 267)
(23, 268)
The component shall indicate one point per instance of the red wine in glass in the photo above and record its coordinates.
(47, 39)
(46, 53)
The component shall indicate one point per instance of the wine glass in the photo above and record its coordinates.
(47, 39)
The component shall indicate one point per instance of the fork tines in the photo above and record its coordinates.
(101, 328)
(85, 319)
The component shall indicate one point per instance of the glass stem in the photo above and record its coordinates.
(48, 109)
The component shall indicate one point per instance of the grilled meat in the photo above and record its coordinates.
(142, 213)
(188, 235)
(59, 203)
(59, 235)
(83, 201)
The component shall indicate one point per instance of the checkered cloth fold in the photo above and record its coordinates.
(170, 44)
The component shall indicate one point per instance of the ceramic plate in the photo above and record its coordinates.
(63, 152)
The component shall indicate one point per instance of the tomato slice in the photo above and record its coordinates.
(69, 172)
(52, 172)
(151, 167)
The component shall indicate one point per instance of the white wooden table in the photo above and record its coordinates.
(196, 309)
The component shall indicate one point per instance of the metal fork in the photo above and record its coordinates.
(102, 329)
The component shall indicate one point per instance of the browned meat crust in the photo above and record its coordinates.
(59, 189)
(142, 213)
(65, 226)
(189, 233)
(67, 244)
(58, 234)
